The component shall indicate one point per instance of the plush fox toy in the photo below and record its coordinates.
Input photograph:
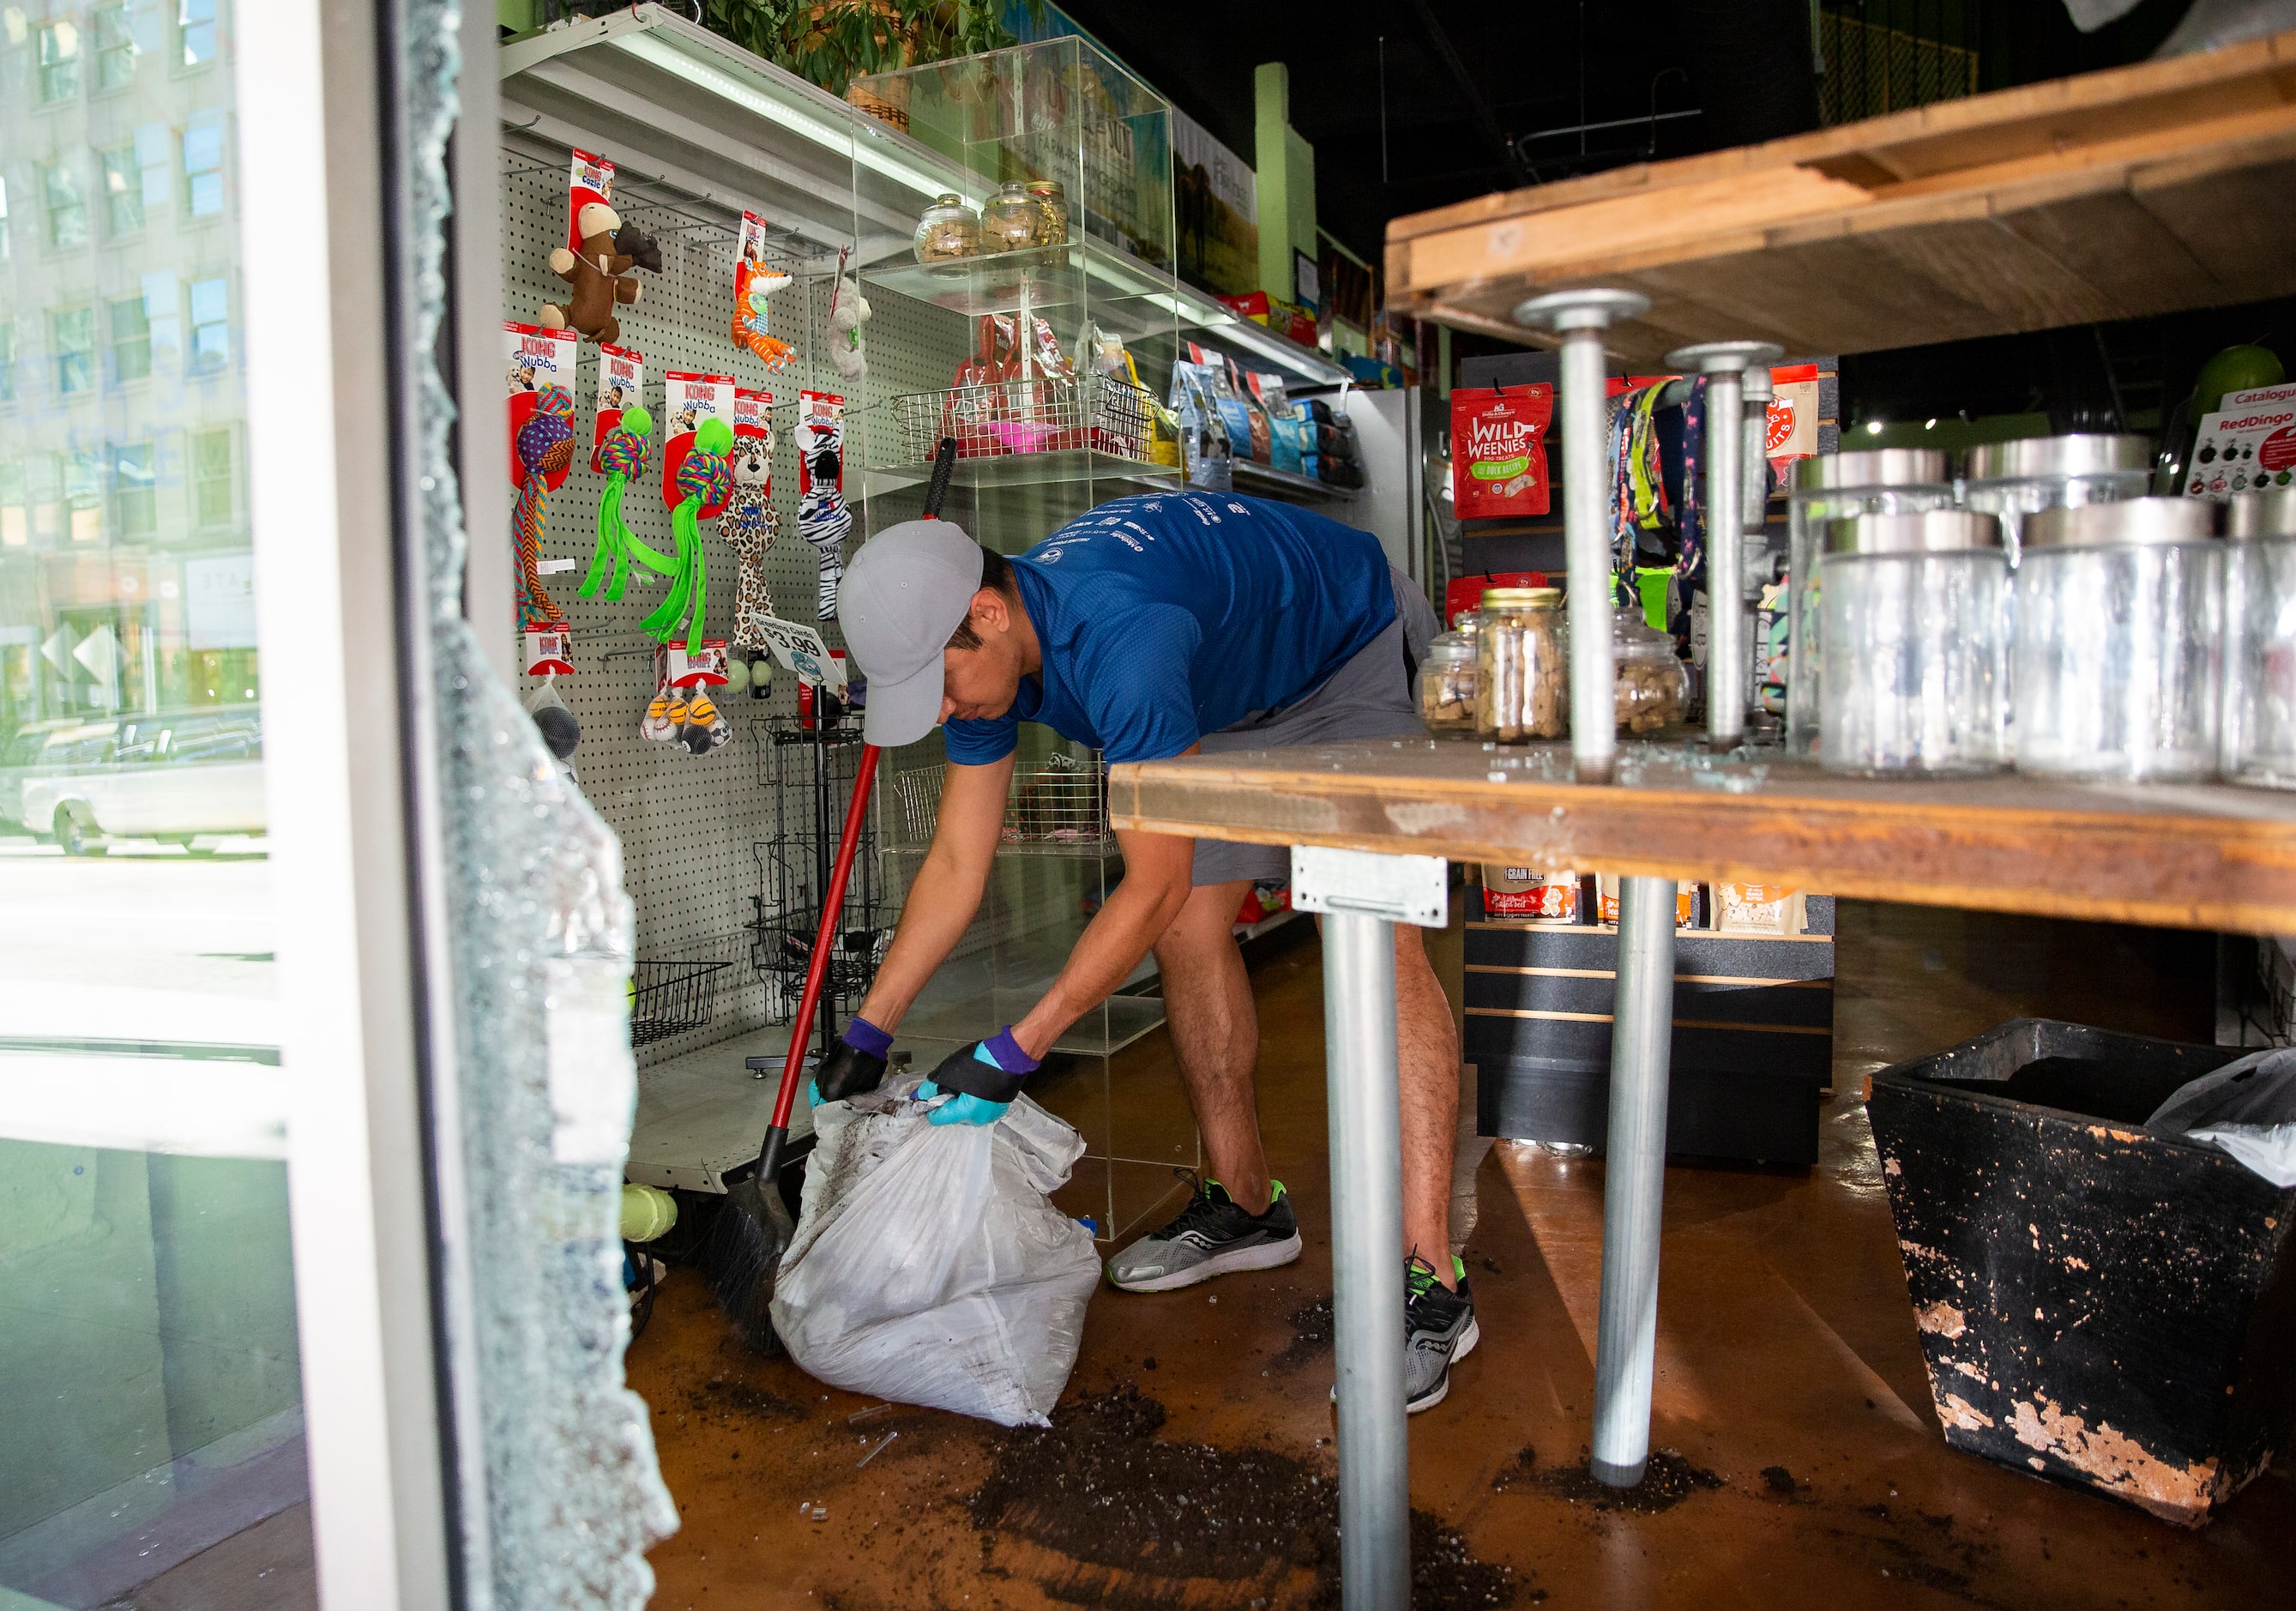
(600, 275)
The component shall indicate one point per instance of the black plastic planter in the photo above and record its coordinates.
(2094, 1304)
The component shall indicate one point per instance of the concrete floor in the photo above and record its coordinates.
(1788, 1371)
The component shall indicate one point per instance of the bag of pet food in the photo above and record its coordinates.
(1499, 451)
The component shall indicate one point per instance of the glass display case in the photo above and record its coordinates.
(1030, 314)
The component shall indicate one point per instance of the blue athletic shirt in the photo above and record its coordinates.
(1174, 614)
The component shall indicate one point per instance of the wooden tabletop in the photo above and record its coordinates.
(2137, 191)
(2207, 856)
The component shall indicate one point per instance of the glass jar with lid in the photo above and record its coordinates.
(2259, 670)
(2119, 613)
(1914, 672)
(1052, 211)
(949, 231)
(1011, 220)
(1880, 480)
(1523, 683)
(1447, 678)
(2016, 479)
(1653, 685)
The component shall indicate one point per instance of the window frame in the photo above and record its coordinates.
(121, 185)
(196, 361)
(90, 354)
(50, 173)
(66, 63)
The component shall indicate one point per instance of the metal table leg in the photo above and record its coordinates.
(1362, 896)
(1367, 1261)
(1633, 1179)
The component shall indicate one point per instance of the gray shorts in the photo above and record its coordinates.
(1373, 695)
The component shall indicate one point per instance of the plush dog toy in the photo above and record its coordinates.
(600, 275)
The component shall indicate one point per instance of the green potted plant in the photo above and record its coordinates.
(833, 42)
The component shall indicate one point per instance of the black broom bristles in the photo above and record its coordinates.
(742, 1255)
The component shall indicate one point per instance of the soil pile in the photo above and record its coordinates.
(1667, 1481)
(1099, 1488)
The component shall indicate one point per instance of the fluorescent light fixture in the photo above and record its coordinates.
(828, 135)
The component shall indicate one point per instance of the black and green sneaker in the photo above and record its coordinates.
(1438, 1330)
(1211, 1237)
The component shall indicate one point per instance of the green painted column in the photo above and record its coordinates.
(1285, 174)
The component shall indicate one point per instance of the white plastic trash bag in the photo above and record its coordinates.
(927, 1266)
(2248, 1108)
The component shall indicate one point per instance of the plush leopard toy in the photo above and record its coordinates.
(750, 521)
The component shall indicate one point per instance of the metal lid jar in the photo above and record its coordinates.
(1522, 687)
(1914, 676)
(2119, 613)
(1011, 220)
(2259, 670)
(949, 231)
(2014, 479)
(1447, 679)
(1879, 480)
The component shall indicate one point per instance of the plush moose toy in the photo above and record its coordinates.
(600, 275)
(639, 247)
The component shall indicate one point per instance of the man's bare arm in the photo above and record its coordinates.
(946, 890)
(1158, 868)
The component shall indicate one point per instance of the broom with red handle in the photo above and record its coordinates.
(753, 1229)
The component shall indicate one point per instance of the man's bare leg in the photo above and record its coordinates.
(1215, 1032)
(1216, 1035)
(1427, 1064)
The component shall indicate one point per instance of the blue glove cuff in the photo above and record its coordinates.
(863, 1036)
(1004, 1052)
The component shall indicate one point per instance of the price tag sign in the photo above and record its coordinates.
(802, 651)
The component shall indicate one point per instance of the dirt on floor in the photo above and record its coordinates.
(1797, 1461)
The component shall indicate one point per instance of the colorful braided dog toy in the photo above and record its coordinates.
(622, 456)
(706, 479)
(545, 448)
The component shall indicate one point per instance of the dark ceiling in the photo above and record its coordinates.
(1396, 132)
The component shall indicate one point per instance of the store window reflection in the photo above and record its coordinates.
(150, 1398)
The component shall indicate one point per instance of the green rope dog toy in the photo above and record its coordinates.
(705, 479)
(623, 457)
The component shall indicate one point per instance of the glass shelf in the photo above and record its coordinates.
(1266, 480)
(1124, 295)
(1026, 469)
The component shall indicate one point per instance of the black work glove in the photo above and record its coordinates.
(854, 1065)
(993, 1070)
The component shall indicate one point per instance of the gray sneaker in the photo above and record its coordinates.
(1438, 1330)
(1210, 1238)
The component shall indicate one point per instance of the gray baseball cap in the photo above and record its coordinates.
(904, 592)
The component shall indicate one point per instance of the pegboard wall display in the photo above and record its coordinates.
(690, 825)
(687, 823)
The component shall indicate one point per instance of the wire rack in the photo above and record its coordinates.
(1045, 413)
(1060, 808)
(670, 998)
(809, 775)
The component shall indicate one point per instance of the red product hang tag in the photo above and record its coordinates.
(621, 386)
(590, 182)
(689, 666)
(536, 359)
(754, 414)
(688, 399)
(1499, 451)
(549, 649)
(820, 442)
